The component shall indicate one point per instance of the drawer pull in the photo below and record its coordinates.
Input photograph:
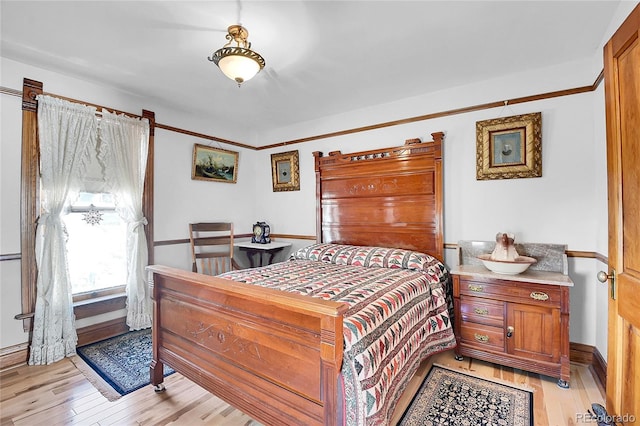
(481, 311)
(538, 295)
(481, 337)
(476, 288)
(510, 331)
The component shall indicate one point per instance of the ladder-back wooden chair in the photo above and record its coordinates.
(212, 247)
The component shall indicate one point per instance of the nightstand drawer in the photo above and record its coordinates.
(513, 291)
(482, 311)
(482, 335)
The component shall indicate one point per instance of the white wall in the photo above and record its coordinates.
(10, 297)
(559, 207)
(600, 208)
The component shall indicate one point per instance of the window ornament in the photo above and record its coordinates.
(93, 216)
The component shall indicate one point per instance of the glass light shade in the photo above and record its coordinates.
(238, 67)
(239, 62)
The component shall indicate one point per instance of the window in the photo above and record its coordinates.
(30, 206)
(96, 244)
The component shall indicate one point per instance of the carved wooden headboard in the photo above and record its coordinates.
(388, 197)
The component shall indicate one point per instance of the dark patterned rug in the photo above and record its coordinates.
(449, 397)
(122, 361)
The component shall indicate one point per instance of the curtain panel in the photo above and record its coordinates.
(67, 132)
(124, 147)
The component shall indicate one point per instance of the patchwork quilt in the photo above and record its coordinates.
(399, 314)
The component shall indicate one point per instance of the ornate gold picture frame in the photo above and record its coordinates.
(509, 147)
(214, 164)
(285, 172)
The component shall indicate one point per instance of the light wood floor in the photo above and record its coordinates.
(60, 394)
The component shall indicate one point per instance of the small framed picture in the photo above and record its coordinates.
(285, 173)
(509, 147)
(214, 164)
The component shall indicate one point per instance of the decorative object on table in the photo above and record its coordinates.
(261, 233)
(505, 259)
(451, 397)
(285, 173)
(214, 164)
(509, 147)
(505, 249)
(122, 361)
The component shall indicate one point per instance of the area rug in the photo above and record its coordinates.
(448, 397)
(122, 361)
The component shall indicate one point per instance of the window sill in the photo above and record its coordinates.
(99, 305)
(90, 307)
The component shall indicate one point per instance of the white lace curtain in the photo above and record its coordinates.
(124, 146)
(67, 133)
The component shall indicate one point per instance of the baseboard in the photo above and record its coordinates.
(599, 368)
(13, 356)
(101, 331)
(591, 356)
(580, 353)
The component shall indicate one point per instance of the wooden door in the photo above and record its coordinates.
(622, 89)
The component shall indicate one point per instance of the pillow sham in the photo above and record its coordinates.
(382, 257)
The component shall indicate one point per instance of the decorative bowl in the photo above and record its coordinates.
(512, 267)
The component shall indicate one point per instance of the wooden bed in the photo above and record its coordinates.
(277, 356)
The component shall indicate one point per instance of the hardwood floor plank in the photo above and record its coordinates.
(203, 412)
(580, 396)
(136, 404)
(164, 414)
(540, 409)
(46, 396)
(89, 400)
(59, 394)
(590, 389)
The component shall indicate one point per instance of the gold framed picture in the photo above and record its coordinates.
(285, 173)
(509, 147)
(214, 164)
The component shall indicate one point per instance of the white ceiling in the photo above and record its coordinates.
(323, 57)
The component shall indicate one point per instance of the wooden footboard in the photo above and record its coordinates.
(275, 356)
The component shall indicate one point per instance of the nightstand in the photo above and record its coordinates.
(522, 320)
(261, 249)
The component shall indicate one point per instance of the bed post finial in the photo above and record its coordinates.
(412, 141)
(317, 155)
(438, 137)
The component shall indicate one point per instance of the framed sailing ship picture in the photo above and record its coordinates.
(214, 164)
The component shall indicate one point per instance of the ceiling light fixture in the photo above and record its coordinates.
(238, 62)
